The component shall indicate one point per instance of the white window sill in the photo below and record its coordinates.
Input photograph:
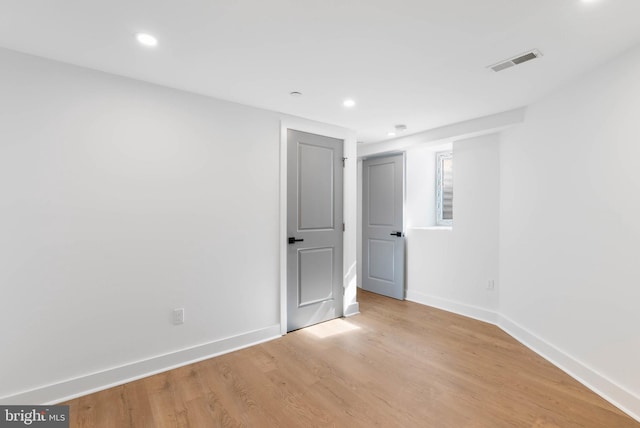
(432, 228)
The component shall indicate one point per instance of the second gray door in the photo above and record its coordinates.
(383, 226)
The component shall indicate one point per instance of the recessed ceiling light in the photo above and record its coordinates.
(348, 102)
(391, 134)
(295, 94)
(146, 39)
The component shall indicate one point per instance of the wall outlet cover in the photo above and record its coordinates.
(178, 316)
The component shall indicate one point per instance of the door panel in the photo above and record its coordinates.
(382, 212)
(380, 252)
(314, 220)
(381, 193)
(315, 275)
(315, 187)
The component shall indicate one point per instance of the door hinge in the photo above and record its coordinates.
(343, 227)
(343, 161)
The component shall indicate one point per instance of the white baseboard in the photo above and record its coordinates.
(352, 309)
(83, 385)
(470, 311)
(598, 383)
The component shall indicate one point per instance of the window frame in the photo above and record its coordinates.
(440, 158)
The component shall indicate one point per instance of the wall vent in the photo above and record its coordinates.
(516, 60)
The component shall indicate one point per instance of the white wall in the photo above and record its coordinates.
(120, 201)
(420, 186)
(450, 267)
(570, 228)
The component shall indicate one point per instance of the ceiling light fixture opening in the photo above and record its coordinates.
(295, 94)
(146, 39)
(349, 103)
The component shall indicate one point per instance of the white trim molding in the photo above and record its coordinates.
(352, 309)
(459, 308)
(98, 381)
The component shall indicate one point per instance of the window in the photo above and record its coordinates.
(444, 189)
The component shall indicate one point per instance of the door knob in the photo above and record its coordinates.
(398, 234)
(293, 240)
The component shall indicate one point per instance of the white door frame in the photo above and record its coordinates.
(350, 305)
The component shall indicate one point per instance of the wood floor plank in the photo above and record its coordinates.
(397, 364)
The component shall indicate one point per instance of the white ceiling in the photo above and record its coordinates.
(417, 62)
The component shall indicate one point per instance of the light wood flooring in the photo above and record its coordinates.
(397, 364)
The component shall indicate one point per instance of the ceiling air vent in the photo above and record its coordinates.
(517, 60)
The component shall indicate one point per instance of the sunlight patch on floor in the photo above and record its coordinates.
(331, 328)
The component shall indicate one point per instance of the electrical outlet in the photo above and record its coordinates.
(178, 316)
(491, 285)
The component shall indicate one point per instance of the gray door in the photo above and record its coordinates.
(314, 226)
(382, 226)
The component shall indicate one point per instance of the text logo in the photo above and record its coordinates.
(34, 416)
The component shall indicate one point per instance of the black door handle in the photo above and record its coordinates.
(398, 234)
(293, 240)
